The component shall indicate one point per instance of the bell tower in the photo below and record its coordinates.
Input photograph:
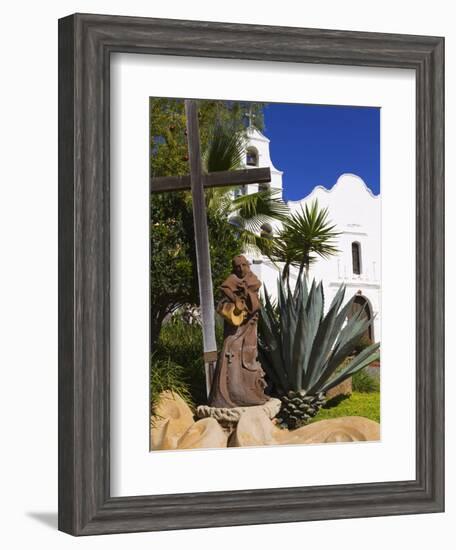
(257, 155)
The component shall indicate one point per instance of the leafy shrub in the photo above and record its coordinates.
(167, 375)
(181, 343)
(364, 382)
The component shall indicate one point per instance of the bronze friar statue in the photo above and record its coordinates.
(239, 379)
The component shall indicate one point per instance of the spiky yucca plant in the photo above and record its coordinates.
(302, 350)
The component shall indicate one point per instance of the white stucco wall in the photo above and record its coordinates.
(356, 211)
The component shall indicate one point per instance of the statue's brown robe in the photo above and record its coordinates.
(239, 378)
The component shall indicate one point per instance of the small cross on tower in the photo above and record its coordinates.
(250, 116)
(197, 181)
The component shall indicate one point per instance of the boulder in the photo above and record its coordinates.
(204, 434)
(173, 427)
(254, 429)
(158, 429)
(343, 388)
(334, 430)
(173, 417)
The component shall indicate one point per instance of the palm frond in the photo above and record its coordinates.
(225, 150)
(267, 203)
(251, 242)
(219, 199)
(249, 213)
(306, 235)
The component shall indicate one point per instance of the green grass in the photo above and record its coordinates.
(358, 404)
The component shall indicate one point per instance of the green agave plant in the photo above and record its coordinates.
(302, 349)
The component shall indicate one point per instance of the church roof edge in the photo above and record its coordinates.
(332, 189)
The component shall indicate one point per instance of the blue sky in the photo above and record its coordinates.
(315, 144)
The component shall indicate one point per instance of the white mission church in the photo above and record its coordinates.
(356, 211)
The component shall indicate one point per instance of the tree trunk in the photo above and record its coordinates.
(307, 269)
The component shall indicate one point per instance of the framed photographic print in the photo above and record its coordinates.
(250, 274)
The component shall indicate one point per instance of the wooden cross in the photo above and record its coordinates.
(197, 181)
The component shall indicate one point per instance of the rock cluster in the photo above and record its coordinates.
(174, 427)
(228, 418)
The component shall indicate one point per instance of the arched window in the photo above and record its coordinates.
(356, 258)
(251, 157)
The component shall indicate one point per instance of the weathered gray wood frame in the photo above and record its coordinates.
(85, 45)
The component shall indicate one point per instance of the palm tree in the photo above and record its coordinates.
(305, 236)
(248, 213)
